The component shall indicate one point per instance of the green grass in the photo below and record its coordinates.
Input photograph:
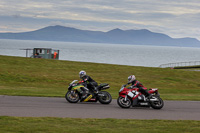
(50, 78)
(74, 125)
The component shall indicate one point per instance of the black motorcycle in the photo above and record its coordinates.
(75, 92)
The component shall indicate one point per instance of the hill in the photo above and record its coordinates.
(115, 36)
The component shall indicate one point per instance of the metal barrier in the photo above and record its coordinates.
(180, 64)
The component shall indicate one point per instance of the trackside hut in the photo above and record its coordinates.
(46, 53)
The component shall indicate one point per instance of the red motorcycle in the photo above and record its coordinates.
(128, 97)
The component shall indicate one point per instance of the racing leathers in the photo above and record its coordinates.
(89, 83)
(141, 88)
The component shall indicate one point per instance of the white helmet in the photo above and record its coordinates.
(82, 73)
(131, 78)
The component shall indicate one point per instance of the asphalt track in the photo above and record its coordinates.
(23, 106)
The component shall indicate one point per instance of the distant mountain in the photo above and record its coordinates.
(115, 36)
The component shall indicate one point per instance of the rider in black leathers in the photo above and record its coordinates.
(88, 82)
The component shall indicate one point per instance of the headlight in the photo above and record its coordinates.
(73, 84)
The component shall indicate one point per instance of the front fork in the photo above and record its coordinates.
(73, 93)
(125, 99)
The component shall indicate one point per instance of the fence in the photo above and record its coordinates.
(180, 64)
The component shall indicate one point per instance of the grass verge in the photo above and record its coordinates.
(74, 125)
(50, 78)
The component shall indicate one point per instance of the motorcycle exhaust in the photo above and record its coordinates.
(101, 95)
(153, 99)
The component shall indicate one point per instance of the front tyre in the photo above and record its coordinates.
(158, 104)
(104, 97)
(72, 98)
(124, 104)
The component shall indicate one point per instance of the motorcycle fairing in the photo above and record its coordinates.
(153, 90)
(88, 98)
(78, 88)
(103, 86)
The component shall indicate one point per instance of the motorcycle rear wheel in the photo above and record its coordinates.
(157, 104)
(106, 99)
(124, 104)
(72, 98)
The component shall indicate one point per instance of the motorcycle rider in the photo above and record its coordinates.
(88, 82)
(135, 83)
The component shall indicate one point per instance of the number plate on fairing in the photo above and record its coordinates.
(144, 104)
(130, 94)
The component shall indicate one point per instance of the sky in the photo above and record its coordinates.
(176, 18)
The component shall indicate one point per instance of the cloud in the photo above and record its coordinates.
(177, 18)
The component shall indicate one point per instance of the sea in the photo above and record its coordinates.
(120, 54)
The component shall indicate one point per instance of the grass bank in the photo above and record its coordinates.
(73, 125)
(42, 77)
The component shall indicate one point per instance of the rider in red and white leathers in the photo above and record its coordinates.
(137, 84)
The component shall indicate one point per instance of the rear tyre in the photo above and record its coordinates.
(124, 104)
(106, 98)
(157, 104)
(72, 98)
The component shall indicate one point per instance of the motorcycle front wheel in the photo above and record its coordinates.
(124, 104)
(106, 98)
(72, 98)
